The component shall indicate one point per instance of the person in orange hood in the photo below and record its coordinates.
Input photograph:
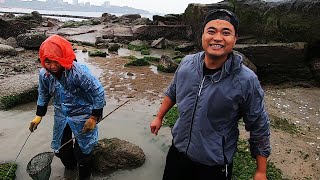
(78, 99)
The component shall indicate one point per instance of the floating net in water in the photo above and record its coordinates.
(39, 167)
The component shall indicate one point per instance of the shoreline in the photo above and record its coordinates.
(56, 15)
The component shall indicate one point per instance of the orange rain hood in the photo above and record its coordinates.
(58, 49)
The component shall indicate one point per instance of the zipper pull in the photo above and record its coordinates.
(201, 86)
(226, 171)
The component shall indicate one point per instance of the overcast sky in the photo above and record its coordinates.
(160, 6)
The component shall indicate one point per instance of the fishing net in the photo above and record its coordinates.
(39, 167)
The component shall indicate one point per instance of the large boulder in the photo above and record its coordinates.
(31, 40)
(114, 154)
(315, 68)
(142, 21)
(166, 64)
(185, 47)
(279, 62)
(247, 62)
(7, 50)
(11, 41)
(150, 32)
(162, 43)
(34, 17)
(12, 27)
(123, 34)
(283, 21)
(106, 17)
(128, 18)
(168, 19)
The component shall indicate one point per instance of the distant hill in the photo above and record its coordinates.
(40, 5)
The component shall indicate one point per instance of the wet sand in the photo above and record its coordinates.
(130, 123)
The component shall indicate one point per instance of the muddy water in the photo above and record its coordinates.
(130, 123)
(153, 52)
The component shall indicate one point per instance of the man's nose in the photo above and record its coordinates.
(217, 36)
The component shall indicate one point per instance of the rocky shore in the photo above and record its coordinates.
(282, 49)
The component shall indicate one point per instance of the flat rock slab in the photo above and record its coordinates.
(18, 84)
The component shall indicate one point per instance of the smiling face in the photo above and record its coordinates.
(218, 39)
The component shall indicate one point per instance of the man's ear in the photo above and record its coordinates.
(236, 39)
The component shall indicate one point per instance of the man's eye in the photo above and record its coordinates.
(211, 32)
(226, 33)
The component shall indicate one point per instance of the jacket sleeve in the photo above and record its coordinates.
(43, 94)
(93, 88)
(256, 119)
(171, 89)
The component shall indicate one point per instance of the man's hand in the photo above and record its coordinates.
(260, 176)
(90, 124)
(34, 123)
(155, 125)
(261, 171)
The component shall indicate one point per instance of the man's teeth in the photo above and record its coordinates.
(216, 45)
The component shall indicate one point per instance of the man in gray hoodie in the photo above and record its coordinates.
(213, 90)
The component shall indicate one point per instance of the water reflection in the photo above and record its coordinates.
(82, 57)
(154, 69)
(130, 123)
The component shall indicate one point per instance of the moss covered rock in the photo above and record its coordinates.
(4, 170)
(97, 53)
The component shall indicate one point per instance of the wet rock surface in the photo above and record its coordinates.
(24, 62)
(114, 154)
(31, 40)
(7, 50)
(296, 103)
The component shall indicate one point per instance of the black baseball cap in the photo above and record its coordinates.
(222, 14)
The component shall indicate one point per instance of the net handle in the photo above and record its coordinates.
(84, 132)
(18, 155)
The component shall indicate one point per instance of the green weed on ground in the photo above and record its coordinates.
(284, 125)
(137, 62)
(244, 165)
(97, 53)
(4, 168)
(137, 47)
(171, 117)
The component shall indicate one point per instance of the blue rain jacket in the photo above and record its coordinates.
(75, 95)
(210, 107)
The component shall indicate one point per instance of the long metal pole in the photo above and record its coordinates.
(17, 155)
(100, 121)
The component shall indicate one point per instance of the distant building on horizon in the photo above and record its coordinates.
(106, 4)
(75, 2)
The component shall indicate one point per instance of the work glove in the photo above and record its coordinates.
(90, 124)
(34, 123)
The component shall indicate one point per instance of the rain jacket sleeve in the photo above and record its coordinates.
(43, 94)
(256, 119)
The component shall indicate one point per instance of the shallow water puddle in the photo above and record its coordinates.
(130, 122)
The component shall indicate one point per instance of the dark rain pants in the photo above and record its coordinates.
(71, 156)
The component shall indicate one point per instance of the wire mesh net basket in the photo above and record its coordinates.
(39, 167)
